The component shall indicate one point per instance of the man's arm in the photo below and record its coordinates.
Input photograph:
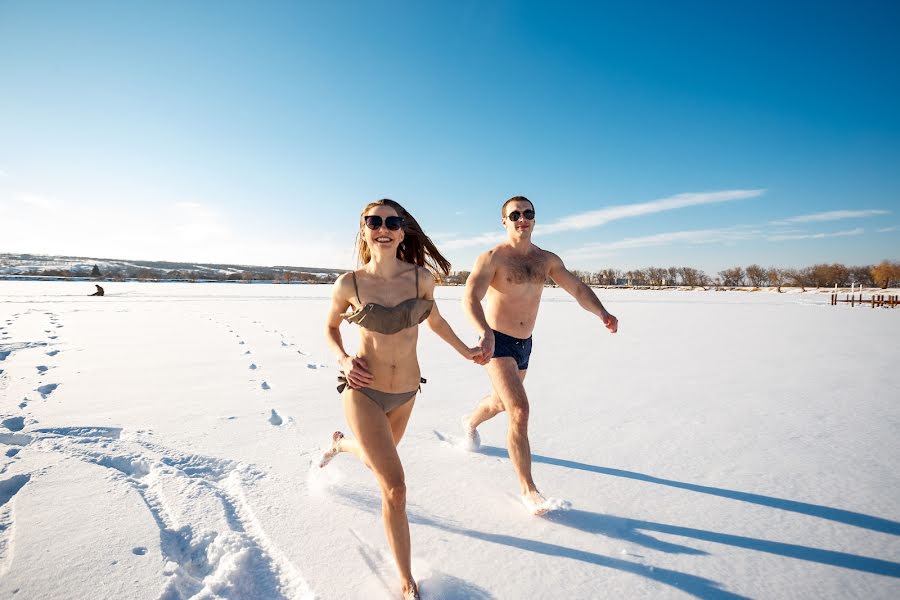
(581, 292)
(476, 288)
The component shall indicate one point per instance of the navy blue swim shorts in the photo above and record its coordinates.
(507, 345)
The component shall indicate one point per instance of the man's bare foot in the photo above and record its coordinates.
(410, 591)
(335, 449)
(471, 439)
(535, 503)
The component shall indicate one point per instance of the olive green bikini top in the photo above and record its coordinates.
(390, 319)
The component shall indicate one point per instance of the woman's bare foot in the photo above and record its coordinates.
(410, 591)
(335, 449)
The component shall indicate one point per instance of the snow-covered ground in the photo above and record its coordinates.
(156, 443)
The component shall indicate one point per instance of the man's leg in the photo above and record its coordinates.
(507, 381)
(490, 406)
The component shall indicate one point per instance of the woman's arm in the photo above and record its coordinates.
(439, 324)
(355, 369)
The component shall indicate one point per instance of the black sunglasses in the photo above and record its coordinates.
(392, 223)
(514, 215)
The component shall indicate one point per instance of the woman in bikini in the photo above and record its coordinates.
(389, 296)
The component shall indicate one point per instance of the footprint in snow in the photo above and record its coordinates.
(41, 368)
(10, 487)
(265, 386)
(52, 353)
(275, 418)
(253, 366)
(47, 389)
(14, 423)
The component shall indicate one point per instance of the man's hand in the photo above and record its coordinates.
(486, 343)
(611, 323)
(357, 372)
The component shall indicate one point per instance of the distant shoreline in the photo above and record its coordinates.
(665, 288)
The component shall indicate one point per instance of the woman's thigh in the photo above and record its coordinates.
(375, 437)
(398, 418)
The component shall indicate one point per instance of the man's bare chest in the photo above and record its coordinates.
(523, 270)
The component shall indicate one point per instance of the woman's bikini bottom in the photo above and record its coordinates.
(387, 401)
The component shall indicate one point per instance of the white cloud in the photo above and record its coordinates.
(832, 215)
(697, 236)
(485, 239)
(3, 174)
(596, 218)
(887, 229)
(36, 201)
(815, 236)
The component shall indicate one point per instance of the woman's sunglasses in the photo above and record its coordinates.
(392, 223)
(514, 215)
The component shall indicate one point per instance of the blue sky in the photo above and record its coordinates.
(701, 134)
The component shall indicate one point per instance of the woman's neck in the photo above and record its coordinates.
(385, 265)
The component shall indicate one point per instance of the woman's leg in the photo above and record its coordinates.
(375, 442)
(398, 418)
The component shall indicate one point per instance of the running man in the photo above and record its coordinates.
(512, 276)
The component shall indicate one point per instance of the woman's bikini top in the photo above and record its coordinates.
(390, 319)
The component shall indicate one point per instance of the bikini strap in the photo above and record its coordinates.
(355, 287)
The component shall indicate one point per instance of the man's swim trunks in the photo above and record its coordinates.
(507, 345)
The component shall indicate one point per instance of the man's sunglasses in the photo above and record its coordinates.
(514, 215)
(392, 223)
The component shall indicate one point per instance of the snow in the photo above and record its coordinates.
(721, 445)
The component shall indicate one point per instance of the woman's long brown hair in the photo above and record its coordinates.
(416, 247)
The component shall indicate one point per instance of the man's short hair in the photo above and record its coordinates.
(514, 199)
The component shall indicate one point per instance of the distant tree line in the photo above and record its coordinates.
(885, 274)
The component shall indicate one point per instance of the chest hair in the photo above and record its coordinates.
(526, 269)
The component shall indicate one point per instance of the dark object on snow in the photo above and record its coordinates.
(99, 291)
(95, 272)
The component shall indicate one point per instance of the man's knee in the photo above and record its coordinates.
(518, 414)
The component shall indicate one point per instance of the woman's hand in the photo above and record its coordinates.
(356, 370)
(473, 354)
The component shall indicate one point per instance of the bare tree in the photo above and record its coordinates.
(655, 275)
(673, 273)
(756, 275)
(733, 277)
(584, 276)
(636, 277)
(886, 274)
(776, 277)
(861, 276)
(693, 277)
